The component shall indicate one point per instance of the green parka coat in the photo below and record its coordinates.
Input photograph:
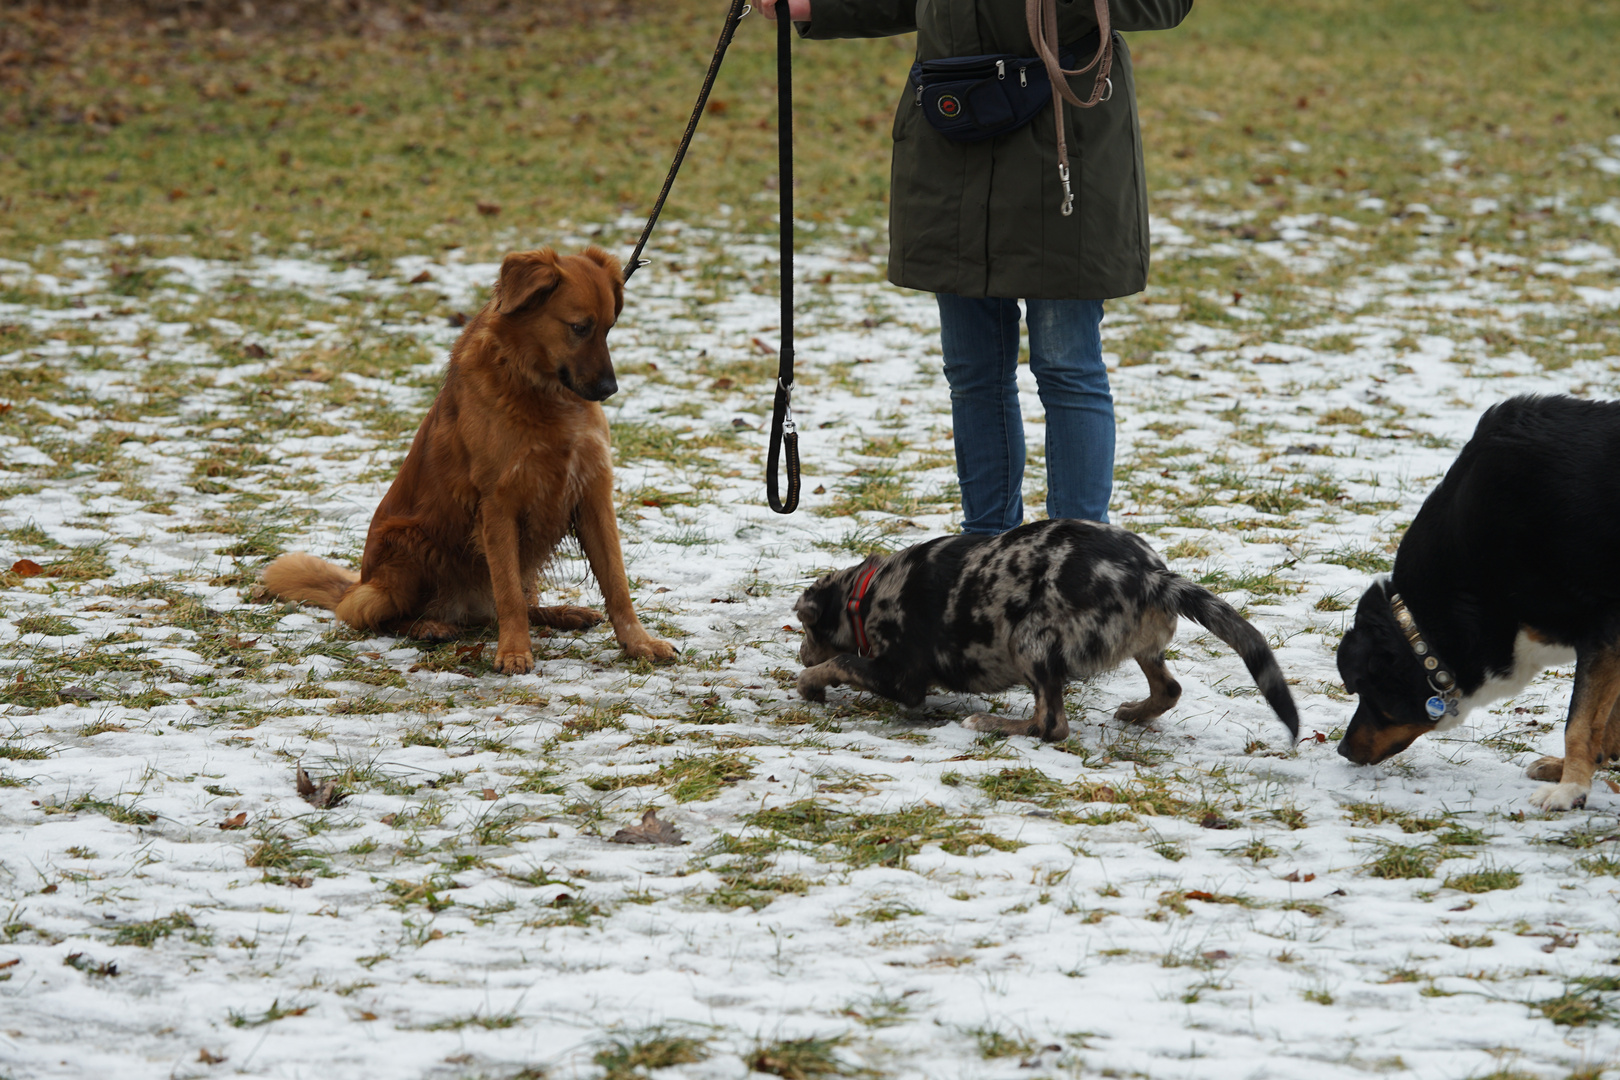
(982, 219)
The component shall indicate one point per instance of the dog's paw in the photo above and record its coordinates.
(1139, 712)
(990, 723)
(811, 689)
(433, 630)
(566, 617)
(1559, 797)
(1546, 768)
(514, 661)
(650, 649)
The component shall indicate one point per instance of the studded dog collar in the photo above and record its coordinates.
(1441, 681)
(862, 646)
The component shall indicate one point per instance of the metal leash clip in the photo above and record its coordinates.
(1108, 89)
(788, 426)
(1068, 191)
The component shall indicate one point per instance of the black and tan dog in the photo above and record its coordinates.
(1039, 605)
(1511, 566)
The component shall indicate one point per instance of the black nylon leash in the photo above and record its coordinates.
(784, 432)
(739, 8)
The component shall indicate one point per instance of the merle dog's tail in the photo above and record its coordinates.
(1221, 619)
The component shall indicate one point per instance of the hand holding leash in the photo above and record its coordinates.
(798, 10)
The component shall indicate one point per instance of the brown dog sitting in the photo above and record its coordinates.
(512, 455)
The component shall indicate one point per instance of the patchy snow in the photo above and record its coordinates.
(1189, 901)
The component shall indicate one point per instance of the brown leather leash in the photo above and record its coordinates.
(738, 9)
(1041, 18)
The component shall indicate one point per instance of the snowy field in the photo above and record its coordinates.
(860, 890)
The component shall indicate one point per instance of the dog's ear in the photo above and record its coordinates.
(1352, 658)
(615, 271)
(527, 277)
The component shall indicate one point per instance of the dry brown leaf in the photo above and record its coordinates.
(422, 278)
(235, 822)
(27, 568)
(489, 794)
(205, 1057)
(650, 831)
(326, 795)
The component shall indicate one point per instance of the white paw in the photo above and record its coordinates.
(980, 721)
(1559, 796)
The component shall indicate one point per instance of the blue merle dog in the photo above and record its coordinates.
(1039, 605)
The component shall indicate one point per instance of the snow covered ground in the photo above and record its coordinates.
(861, 890)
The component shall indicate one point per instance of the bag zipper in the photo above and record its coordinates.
(1001, 69)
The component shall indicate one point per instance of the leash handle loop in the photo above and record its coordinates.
(784, 432)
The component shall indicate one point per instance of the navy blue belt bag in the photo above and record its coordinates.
(969, 98)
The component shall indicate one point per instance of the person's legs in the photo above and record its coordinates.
(1065, 356)
(980, 341)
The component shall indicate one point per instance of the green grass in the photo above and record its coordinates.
(112, 811)
(630, 1055)
(805, 1059)
(1488, 878)
(1398, 861)
(146, 934)
(883, 839)
(377, 144)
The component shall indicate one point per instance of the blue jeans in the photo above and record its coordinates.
(980, 341)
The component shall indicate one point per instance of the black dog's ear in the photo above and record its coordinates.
(807, 609)
(1352, 658)
(527, 277)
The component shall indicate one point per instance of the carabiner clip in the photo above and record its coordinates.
(788, 426)
(1068, 192)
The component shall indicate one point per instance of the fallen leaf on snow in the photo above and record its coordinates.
(650, 831)
(27, 568)
(207, 1058)
(235, 822)
(320, 797)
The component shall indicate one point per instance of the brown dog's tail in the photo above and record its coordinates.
(308, 580)
(1222, 619)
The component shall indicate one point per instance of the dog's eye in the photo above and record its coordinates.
(581, 328)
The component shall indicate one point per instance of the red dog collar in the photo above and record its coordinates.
(862, 645)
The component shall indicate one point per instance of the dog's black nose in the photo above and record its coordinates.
(601, 389)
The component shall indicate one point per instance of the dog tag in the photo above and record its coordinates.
(1436, 707)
